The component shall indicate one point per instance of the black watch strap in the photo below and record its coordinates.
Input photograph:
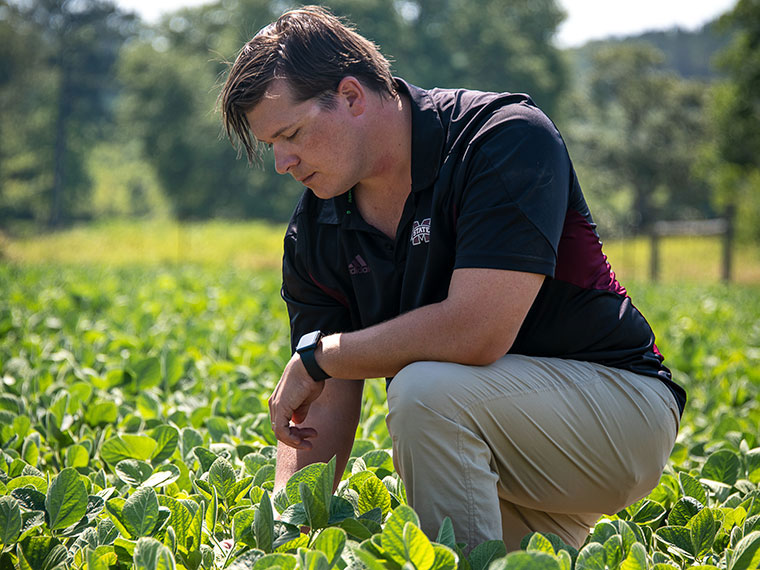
(312, 367)
(306, 347)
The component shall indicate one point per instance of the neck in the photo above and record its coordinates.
(381, 196)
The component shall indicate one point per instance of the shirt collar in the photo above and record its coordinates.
(427, 135)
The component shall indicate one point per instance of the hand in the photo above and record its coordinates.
(290, 402)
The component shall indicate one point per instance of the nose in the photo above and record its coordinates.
(284, 159)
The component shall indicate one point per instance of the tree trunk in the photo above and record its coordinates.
(57, 214)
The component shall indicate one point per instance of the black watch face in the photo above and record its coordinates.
(309, 340)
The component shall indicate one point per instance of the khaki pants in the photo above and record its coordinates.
(527, 444)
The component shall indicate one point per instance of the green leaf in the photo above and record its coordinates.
(238, 490)
(10, 521)
(317, 513)
(101, 558)
(331, 542)
(263, 524)
(101, 413)
(746, 555)
(167, 439)
(162, 476)
(276, 560)
(678, 537)
(648, 512)
(692, 488)
(419, 551)
(307, 475)
(180, 520)
(539, 543)
(66, 500)
(379, 462)
(613, 550)
(127, 446)
(483, 554)
(221, 476)
(150, 554)
(683, 511)
(393, 533)
(194, 531)
(722, 466)
(40, 552)
(242, 527)
(312, 559)
(355, 529)
(140, 512)
(38, 483)
(374, 495)
(703, 531)
(527, 561)
(147, 373)
(115, 509)
(340, 509)
(190, 439)
(591, 557)
(636, 559)
(133, 472)
(446, 534)
(76, 456)
(212, 512)
(444, 558)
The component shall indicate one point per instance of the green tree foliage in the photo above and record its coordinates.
(56, 100)
(635, 132)
(169, 77)
(170, 86)
(732, 161)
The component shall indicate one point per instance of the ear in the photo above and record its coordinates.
(353, 94)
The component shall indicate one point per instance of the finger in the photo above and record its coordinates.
(298, 438)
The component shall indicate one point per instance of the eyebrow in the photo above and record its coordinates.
(283, 129)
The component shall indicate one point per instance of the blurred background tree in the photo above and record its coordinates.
(104, 115)
(56, 100)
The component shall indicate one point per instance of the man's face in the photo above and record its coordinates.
(317, 146)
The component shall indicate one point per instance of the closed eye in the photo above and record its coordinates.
(292, 136)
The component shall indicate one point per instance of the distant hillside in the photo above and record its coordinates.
(691, 54)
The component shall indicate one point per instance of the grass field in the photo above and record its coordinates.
(135, 364)
(255, 245)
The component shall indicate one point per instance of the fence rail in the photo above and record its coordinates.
(718, 226)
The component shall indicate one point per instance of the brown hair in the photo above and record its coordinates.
(313, 50)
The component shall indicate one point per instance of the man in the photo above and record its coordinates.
(443, 242)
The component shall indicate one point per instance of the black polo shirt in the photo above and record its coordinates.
(492, 187)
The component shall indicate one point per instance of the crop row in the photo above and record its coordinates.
(134, 434)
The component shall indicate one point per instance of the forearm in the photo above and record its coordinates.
(384, 349)
(469, 327)
(335, 416)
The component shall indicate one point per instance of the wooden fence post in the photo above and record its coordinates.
(654, 256)
(728, 238)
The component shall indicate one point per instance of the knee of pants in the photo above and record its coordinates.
(414, 397)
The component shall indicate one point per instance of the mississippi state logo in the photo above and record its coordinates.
(421, 232)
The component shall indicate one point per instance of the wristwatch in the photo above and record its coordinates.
(306, 347)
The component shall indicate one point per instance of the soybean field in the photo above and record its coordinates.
(134, 434)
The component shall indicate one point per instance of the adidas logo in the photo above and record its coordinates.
(358, 265)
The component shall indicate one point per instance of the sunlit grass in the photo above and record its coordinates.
(250, 245)
(258, 245)
(683, 259)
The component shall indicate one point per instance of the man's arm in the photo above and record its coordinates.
(334, 415)
(476, 324)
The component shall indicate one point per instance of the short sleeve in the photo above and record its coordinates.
(311, 305)
(514, 194)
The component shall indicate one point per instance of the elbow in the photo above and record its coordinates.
(486, 352)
